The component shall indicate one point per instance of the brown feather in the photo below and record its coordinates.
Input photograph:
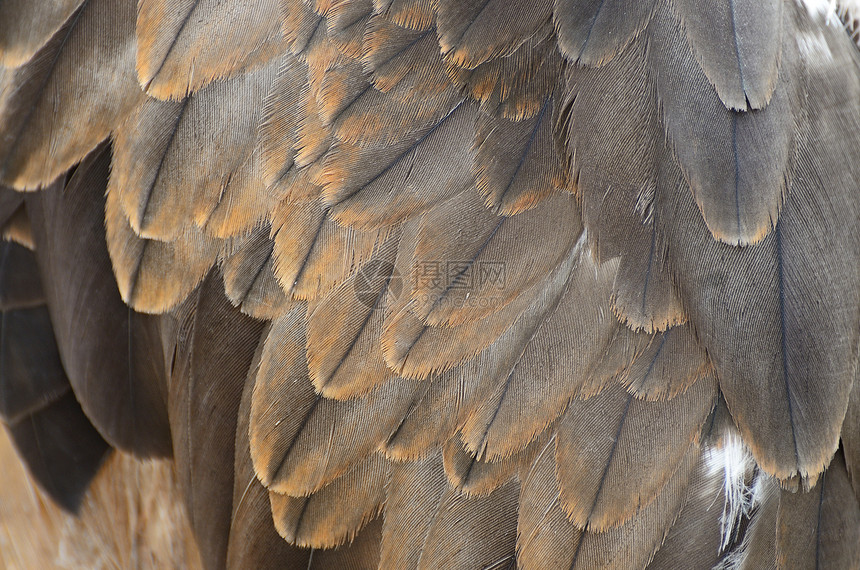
(592, 32)
(563, 347)
(249, 276)
(213, 347)
(214, 129)
(753, 308)
(738, 43)
(347, 22)
(517, 86)
(50, 431)
(155, 276)
(820, 528)
(738, 164)
(112, 354)
(670, 363)
(300, 441)
(481, 239)
(393, 53)
(547, 540)
(474, 31)
(851, 436)
(182, 46)
(517, 164)
(26, 26)
(473, 476)
(253, 541)
(615, 453)
(474, 532)
(333, 515)
(414, 492)
(344, 353)
(413, 14)
(403, 180)
(313, 253)
(83, 76)
(417, 350)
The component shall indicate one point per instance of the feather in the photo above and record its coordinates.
(562, 347)
(473, 476)
(300, 441)
(253, 541)
(112, 354)
(474, 532)
(416, 350)
(644, 297)
(43, 103)
(592, 32)
(368, 188)
(31, 373)
(615, 453)
(213, 350)
(50, 431)
(753, 308)
(820, 528)
(299, 24)
(851, 436)
(313, 253)
(429, 525)
(737, 164)
(414, 492)
(215, 129)
(347, 22)
(547, 540)
(183, 46)
(393, 53)
(26, 26)
(155, 276)
(517, 164)
(20, 284)
(670, 363)
(344, 353)
(361, 554)
(61, 449)
(695, 539)
(480, 240)
(517, 86)
(610, 118)
(474, 31)
(370, 117)
(333, 515)
(413, 14)
(758, 549)
(337, 82)
(249, 276)
(738, 43)
(17, 228)
(278, 131)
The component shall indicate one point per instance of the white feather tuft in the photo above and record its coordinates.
(736, 463)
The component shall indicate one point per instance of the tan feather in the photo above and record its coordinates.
(610, 468)
(215, 128)
(336, 513)
(83, 76)
(185, 45)
(26, 26)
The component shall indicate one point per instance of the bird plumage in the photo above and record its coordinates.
(439, 284)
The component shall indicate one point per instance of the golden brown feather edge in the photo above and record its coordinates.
(564, 283)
